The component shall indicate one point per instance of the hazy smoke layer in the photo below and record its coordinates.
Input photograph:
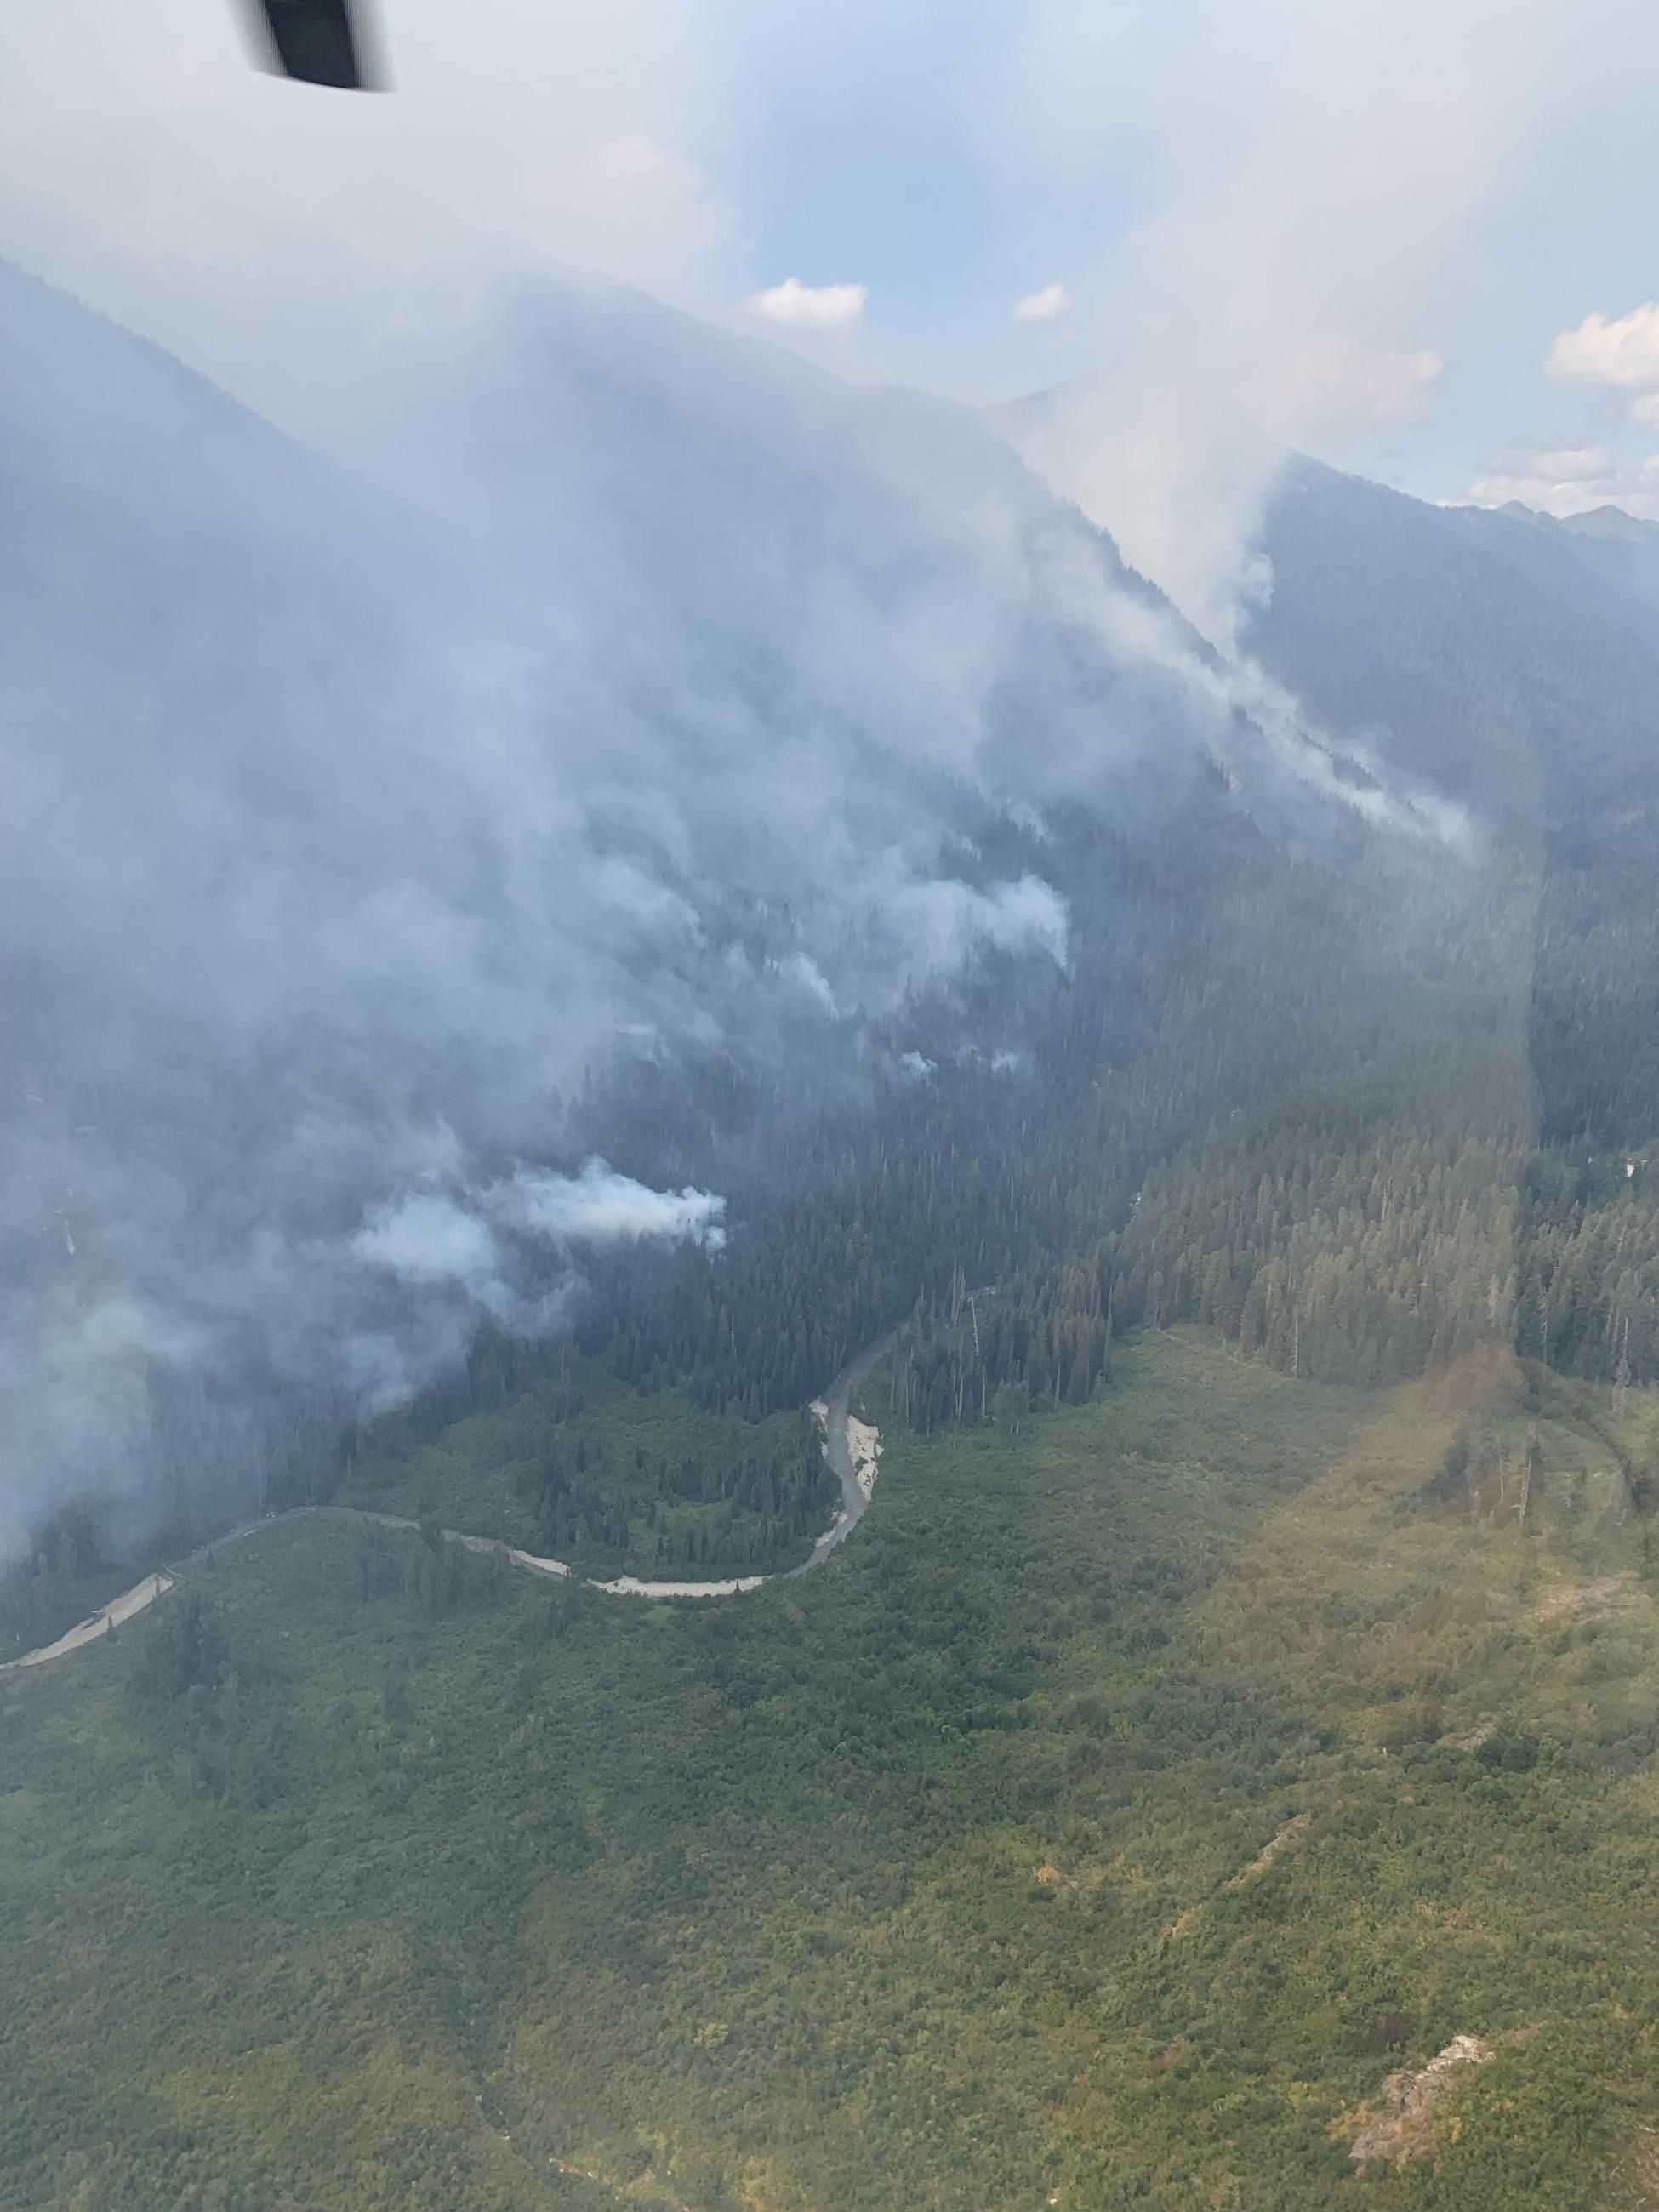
(657, 706)
(485, 1249)
(1314, 181)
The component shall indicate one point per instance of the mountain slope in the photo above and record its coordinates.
(685, 709)
(346, 838)
(1518, 663)
(1490, 651)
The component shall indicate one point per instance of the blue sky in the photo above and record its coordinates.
(1359, 230)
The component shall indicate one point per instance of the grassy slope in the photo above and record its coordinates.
(906, 1884)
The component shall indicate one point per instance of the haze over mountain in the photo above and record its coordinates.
(647, 699)
(657, 708)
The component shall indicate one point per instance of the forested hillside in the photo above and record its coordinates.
(944, 1876)
(1519, 666)
(1292, 1095)
(1359, 1108)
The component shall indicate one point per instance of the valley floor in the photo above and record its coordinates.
(1133, 1814)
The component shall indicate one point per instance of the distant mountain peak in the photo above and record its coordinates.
(1610, 521)
(1607, 520)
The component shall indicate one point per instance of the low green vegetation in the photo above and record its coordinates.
(367, 1873)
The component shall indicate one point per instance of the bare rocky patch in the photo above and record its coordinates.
(1404, 2128)
(1270, 1851)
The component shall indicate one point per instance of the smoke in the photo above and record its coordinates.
(1316, 181)
(265, 236)
(653, 705)
(1276, 223)
(429, 1239)
(946, 920)
(347, 830)
(488, 1248)
(600, 1207)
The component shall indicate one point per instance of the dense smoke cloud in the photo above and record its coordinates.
(654, 706)
(341, 837)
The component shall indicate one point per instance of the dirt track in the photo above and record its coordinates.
(851, 1447)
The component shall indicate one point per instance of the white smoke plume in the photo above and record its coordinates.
(490, 1247)
(598, 1207)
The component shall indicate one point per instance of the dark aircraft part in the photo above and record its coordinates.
(317, 41)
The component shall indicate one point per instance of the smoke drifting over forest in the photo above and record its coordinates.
(657, 708)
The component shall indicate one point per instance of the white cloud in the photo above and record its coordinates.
(1043, 305)
(1569, 480)
(1334, 382)
(1572, 463)
(1625, 352)
(809, 306)
(1646, 411)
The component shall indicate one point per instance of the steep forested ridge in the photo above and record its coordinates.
(1516, 663)
(1363, 1110)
